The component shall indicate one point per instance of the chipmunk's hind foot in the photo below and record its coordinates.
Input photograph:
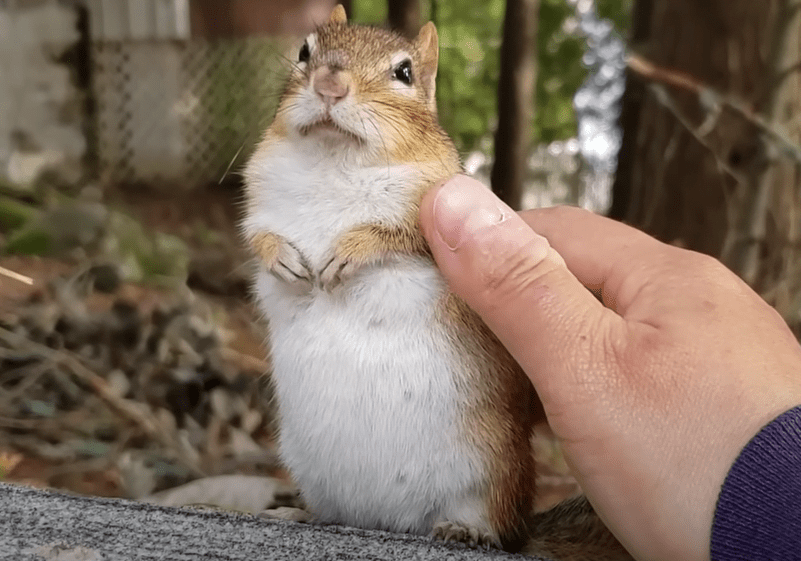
(448, 531)
(287, 505)
(287, 513)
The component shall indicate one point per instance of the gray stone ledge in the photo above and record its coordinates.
(38, 525)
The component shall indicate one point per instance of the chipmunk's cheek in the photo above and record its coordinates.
(403, 89)
(304, 109)
(360, 120)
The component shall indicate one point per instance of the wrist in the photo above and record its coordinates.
(757, 514)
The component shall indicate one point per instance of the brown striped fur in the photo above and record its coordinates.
(501, 409)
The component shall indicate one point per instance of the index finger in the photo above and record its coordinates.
(606, 256)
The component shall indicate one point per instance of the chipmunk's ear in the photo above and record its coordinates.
(338, 15)
(428, 46)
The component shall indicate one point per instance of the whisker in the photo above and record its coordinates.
(230, 164)
(374, 116)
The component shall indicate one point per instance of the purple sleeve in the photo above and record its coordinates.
(758, 515)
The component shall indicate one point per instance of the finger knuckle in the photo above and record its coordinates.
(515, 272)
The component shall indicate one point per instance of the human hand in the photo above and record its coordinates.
(652, 394)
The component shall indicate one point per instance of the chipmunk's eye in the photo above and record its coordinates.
(305, 52)
(403, 72)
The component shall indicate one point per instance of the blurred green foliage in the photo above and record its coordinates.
(470, 36)
(617, 11)
(64, 226)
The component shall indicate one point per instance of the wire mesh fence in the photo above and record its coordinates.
(181, 112)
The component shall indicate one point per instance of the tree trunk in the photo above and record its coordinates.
(404, 16)
(515, 100)
(622, 195)
(709, 157)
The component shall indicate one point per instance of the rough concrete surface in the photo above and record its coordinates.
(38, 525)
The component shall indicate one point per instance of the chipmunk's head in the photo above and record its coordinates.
(364, 85)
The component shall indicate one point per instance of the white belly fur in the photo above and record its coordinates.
(366, 380)
(367, 398)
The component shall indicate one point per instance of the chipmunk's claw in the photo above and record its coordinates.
(291, 266)
(448, 531)
(280, 258)
(336, 270)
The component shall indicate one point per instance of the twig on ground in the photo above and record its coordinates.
(146, 421)
(16, 276)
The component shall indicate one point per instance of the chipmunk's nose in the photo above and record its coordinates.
(330, 85)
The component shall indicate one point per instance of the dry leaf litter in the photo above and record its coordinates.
(154, 397)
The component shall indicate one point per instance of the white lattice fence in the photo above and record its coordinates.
(178, 112)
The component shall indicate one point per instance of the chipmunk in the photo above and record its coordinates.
(398, 408)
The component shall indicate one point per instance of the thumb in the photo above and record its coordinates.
(516, 282)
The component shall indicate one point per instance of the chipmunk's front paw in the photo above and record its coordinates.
(338, 269)
(448, 531)
(281, 258)
(353, 250)
(291, 267)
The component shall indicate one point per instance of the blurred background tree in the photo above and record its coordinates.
(710, 156)
(515, 101)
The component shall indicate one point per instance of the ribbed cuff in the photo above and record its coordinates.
(758, 515)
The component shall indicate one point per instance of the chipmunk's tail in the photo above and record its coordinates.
(572, 531)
